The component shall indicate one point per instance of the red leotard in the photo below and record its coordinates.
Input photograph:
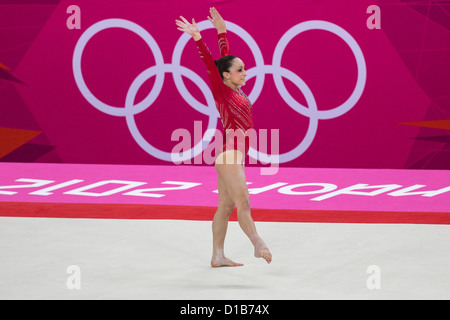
(234, 107)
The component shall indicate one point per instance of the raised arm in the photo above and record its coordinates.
(219, 89)
(218, 23)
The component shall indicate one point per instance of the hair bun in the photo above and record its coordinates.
(224, 64)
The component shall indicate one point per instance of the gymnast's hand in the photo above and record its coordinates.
(189, 28)
(217, 20)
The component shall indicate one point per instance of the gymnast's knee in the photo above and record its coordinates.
(243, 206)
(225, 210)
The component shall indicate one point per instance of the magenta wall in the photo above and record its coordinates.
(340, 93)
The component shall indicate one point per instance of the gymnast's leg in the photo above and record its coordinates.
(219, 228)
(232, 175)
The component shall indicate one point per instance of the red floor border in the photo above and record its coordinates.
(133, 211)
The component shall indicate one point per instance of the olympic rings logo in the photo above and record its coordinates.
(259, 71)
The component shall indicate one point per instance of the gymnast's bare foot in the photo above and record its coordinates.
(219, 260)
(265, 254)
(261, 250)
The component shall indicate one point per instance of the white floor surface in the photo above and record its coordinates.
(169, 259)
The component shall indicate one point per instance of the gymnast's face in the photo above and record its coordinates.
(236, 75)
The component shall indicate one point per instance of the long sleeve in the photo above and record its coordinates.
(224, 46)
(219, 89)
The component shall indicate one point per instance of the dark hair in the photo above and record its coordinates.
(224, 64)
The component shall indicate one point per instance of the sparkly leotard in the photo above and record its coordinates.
(234, 107)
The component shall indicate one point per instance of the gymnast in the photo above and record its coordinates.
(226, 76)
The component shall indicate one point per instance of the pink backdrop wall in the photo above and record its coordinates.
(338, 91)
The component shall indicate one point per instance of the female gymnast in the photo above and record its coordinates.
(226, 76)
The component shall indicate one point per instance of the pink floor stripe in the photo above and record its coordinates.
(424, 192)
